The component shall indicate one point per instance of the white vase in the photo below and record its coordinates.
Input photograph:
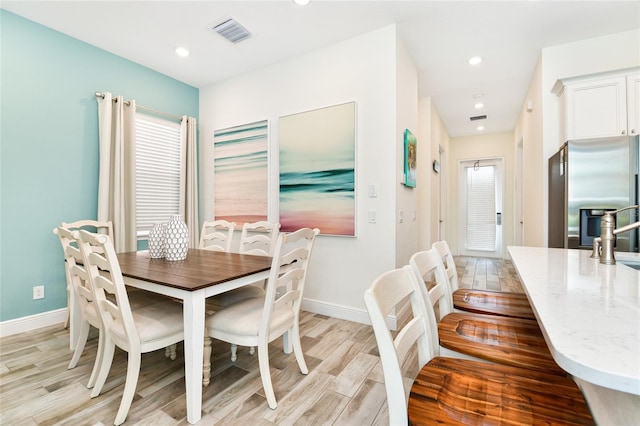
(177, 239)
(157, 240)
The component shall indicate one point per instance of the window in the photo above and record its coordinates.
(157, 171)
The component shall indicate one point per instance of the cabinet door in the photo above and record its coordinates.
(633, 104)
(596, 108)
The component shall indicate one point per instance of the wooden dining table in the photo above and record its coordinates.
(202, 274)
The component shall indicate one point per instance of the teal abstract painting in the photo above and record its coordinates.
(317, 170)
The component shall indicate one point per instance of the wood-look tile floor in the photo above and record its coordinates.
(344, 386)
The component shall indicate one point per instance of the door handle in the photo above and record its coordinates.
(498, 218)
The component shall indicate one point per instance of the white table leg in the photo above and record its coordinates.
(193, 348)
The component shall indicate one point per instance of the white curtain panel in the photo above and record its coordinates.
(189, 178)
(116, 184)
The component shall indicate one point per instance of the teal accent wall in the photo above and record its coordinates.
(49, 147)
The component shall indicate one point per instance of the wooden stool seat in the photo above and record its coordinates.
(500, 303)
(454, 391)
(515, 305)
(510, 341)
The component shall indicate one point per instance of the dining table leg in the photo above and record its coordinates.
(193, 348)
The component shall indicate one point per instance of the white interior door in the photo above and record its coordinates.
(519, 225)
(442, 210)
(481, 189)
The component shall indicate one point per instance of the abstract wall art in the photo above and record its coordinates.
(317, 170)
(240, 172)
(410, 159)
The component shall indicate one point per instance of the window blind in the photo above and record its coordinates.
(481, 208)
(157, 171)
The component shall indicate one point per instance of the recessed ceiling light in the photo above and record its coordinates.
(479, 105)
(480, 128)
(475, 60)
(182, 51)
(301, 2)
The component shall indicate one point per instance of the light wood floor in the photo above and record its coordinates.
(344, 385)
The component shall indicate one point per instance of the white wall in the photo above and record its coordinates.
(529, 131)
(439, 141)
(423, 181)
(433, 138)
(363, 69)
(407, 118)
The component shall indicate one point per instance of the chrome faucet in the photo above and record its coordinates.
(603, 246)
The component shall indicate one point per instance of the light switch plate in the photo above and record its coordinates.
(373, 190)
(372, 216)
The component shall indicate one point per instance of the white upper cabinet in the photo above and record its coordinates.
(633, 104)
(596, 107)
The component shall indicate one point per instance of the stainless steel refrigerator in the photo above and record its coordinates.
(586, 178)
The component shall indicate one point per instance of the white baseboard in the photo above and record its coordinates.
(32, 322)
(342, 312)
(45, 319)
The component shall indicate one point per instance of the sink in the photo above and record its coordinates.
(628, 260)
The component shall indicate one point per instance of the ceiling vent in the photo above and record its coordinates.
(232, 30)
(478, 117)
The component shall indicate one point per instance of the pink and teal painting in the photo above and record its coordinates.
(240, 173)
(317, 170)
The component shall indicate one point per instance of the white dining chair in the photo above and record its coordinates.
(260, 320)
(98, 226)
(79, 280)
(82, 295)
(506, 304)
(136, 331)
(456, 391)
(257, 238)
(489, 338)
(217, 235)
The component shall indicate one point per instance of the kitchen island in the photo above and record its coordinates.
(589, 314)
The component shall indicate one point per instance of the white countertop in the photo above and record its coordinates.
(588, 312)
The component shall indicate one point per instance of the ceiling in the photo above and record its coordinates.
(440, 36)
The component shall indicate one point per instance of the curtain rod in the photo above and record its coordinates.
(127, 103)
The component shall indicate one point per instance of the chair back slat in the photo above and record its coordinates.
(104, 270)
(447, 260)
(259, 238)
(82, 288)
(95, 226)
(76, 272)
(288, 272)
(77, 282)
(217, 235)
(427, 264)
